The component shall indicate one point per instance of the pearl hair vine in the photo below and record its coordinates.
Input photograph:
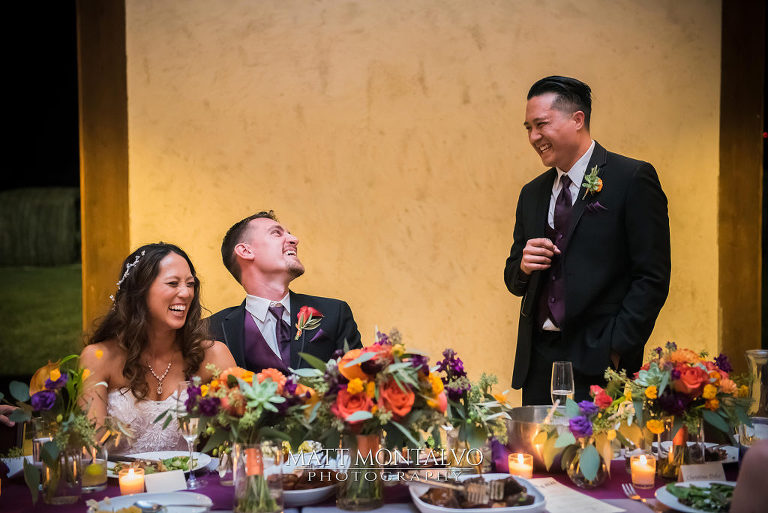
(128, 267)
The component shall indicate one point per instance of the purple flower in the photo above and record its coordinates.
(674, 403)
(209, 406)
(671, 346)
(723, 363)
(383, 339)
(290, 385)
(193, 393)
(337, 354)
(674, 374)
(455, 391)
(588, 408)
(658, 350)
(451, 365)
(59, 383)
(580, 426)
(420, 363)
(43, 400)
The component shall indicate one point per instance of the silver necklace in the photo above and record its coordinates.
(159, 378)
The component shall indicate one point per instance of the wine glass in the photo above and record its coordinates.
(562, 382)
(188, 426)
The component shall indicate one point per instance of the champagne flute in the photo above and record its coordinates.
(562, 382)
(188, 426)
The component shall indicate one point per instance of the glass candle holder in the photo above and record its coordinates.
(643, 469)
(131, 481)
(520, 464)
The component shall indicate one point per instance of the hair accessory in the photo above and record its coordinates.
(127, 270)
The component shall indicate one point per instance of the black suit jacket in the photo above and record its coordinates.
(616, 264)
(337, 325)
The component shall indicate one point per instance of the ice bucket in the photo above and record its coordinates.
(522, 427)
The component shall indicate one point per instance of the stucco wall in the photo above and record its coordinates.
(387, 135)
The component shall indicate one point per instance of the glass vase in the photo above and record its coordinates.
(225, 468)
(362, 488)
(683, 447)
(757, 360)
(95, 469)
(576, 472)
(258, 477)
(460, 455)
(62, 480)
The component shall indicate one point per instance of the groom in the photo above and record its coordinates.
(591, 251)
(262, 331)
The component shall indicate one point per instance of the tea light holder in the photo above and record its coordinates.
(131, 481)
(643, 470)
(520, 464)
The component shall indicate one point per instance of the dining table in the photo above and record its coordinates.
(15, 496)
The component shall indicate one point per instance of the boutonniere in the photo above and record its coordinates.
(592, 183)
(308, 319)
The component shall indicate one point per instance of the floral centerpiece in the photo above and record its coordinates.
(382, 389)
(677, 390)
(474, 413)
(249, 410)
(54, 397)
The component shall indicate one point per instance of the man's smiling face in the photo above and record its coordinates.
(275, 249)
(553, 133)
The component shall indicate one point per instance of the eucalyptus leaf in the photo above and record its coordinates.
(307, 373)
(567, 456)
(362, 358)
(571, 408)
(359, 415)
(743, 417)
(540, 437)
(19, 415)
(638, 410)
(49, 453)
(664, 382)
(32, 478)
(313, 413)
(549, 451)
(168, 420)
(160, 417)
(589, 462)
(19, 391)
(406, 433)
(314, 361)
(565, 439)
(716, 420)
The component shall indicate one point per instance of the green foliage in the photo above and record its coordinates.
(590, 462)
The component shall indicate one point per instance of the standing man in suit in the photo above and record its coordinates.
(591, 252)
(262, 331)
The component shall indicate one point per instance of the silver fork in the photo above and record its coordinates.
(630, 492)
(477, 493)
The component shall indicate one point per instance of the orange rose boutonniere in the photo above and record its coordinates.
(308, 319)
(592, 183)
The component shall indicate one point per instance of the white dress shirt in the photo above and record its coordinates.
(258, 307)
(576, 174)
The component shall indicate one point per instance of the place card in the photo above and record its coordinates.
(710, 471)
(161, 482)
(561, 499)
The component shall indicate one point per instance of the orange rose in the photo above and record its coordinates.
(684, 356)
(354, 371)
(346, 404)
(273, 374)
(234, 402)
(237, 372)
(395, 399)
(728, 386)
(691, 381)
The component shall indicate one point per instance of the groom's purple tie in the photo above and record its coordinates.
(282, 333)
(563, 206)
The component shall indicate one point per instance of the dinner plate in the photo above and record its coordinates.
(669, 500)
(731, 451)
(295, 498)
(202, 459)
(539, 502)
(165, 499)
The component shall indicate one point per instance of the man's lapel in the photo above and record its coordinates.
(598, 159)
(296, 360)
(542, 206)
(233, 327)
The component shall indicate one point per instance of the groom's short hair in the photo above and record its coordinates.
(572, 94)
(235, 236)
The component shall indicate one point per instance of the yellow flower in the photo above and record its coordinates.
(655, 426)
(710, 391)
(86, 373)
(203, 390)
(436, 382)
(652, 392)
(398, 350)
(355, 386)
(628, 394)
(374, 409)
(715, 377)
(55, 374)
(611, 434)
(214, 383)
(712, 404)
(743, 391)
(99, 354)
(370, 389)
(500, 398)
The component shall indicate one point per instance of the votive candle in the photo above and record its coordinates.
(643, 468)
(520, 464)
(131, 481)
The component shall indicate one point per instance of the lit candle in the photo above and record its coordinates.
(520, 464)
(643, 470)
(131, 481)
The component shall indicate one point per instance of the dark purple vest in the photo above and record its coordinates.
(258, 354)
(552, 296)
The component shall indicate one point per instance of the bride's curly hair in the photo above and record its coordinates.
(128, 320)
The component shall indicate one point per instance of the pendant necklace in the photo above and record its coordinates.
(159, 378)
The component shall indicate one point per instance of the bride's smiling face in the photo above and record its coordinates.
(171, 293)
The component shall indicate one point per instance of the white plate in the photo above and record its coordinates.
(669, 500)
(294, 498)
(731, 451)
(15, 465)
(202, 459)
(166, 499)
(538, 504)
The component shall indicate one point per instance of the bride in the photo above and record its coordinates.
(150, 341)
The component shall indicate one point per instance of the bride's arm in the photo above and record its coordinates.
(95, 359)
(217, 354)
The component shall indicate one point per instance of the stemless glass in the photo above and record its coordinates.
(189, 427)
(562, 382)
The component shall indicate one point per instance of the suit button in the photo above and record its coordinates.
(554, 278)
(552, 300)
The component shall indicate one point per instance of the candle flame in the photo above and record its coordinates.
(520, 459)
(643, 461)
(130, 473)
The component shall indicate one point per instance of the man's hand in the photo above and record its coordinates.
(537, 255)
(5, 410)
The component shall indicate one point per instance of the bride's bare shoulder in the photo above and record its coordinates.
(103, 358)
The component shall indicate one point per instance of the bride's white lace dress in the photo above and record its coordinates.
(139, 417)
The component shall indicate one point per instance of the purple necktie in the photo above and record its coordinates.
(563, 209)
(282, 333)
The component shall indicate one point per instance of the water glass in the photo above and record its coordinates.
(189, 430)
(562, 382)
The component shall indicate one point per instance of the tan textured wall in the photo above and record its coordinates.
(388, 136)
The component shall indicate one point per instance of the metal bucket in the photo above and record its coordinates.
(522, 426)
